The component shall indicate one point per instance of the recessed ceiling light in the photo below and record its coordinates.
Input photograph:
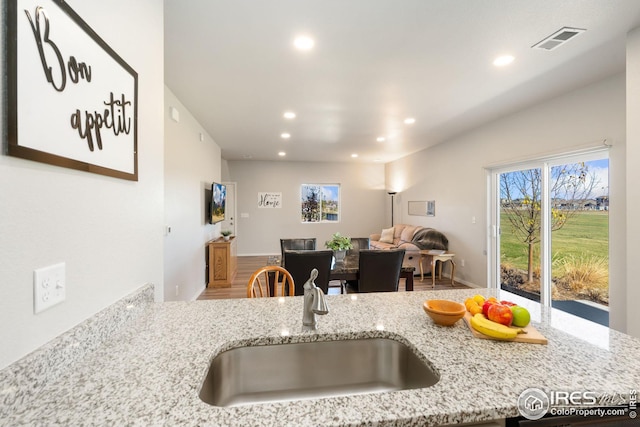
(289, 115)
(285, 135)
(501, 61)
(409, 121)
(381, 139)
(354, 155)
(303, 43)
(282, 154)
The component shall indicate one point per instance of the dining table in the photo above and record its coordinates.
(348, 269)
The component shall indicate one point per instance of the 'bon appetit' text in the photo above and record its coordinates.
(88, 123)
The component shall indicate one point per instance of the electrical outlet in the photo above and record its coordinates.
(177, 290)
(461, 263)
(49, 287)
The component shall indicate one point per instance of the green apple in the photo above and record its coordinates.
(521, 316)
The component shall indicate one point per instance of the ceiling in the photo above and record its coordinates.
(376, 62)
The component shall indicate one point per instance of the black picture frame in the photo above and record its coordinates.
(72, 100)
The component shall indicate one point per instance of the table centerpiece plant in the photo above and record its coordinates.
(339, 244)
(226, 234)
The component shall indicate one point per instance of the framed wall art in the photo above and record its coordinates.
(73, 100)
(423, 208)
(269, 200)
(417, 208)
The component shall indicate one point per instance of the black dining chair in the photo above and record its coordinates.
(304, 244)
(358, 243)
(379, 270)
(300, 264)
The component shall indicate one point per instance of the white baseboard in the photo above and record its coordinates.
(269, 254)
(464, 282)
(197, 294)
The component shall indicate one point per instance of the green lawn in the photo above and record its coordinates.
(586, 234)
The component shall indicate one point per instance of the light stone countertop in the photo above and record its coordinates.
(148, 371)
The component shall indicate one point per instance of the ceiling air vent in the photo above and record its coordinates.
(558, 38)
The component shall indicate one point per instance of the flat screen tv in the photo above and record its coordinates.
(218, 202)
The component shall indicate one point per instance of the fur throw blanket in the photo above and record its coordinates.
(430, 238)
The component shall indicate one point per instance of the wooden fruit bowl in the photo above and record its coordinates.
(444, 312)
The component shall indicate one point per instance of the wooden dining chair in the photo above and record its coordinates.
(379, 270)
(258, 286)
(300, 264)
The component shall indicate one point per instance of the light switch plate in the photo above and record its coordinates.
(175, 114)
(49, 287)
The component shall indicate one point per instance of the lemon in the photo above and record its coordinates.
(479, 299)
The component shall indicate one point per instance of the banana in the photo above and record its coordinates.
(493, 329)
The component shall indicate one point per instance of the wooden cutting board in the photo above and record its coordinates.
(532, 336)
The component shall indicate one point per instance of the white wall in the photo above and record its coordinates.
(453, 173)
(191, 166)
(108, 231)
(363, 201)
(633, 178)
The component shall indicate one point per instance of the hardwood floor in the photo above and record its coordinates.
(248, 264)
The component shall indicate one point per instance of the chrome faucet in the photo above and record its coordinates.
(314, 302)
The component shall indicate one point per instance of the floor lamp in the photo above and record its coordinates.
(392, 193)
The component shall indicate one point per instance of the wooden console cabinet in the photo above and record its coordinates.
(223, 262)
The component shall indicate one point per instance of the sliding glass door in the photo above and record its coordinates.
(551, 233)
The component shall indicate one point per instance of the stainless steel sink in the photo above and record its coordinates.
(281, 372)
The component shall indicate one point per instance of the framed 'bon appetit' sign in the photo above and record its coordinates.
(72, 100)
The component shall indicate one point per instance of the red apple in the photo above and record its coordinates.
(509, 303)
(485, 307)
(501, 314)
(488, 303)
